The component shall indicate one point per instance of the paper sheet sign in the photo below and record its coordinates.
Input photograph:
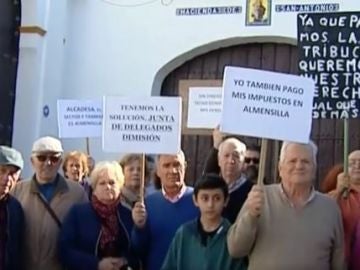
(142, 125)
(79, 118)
(204, 109)
(267, 104)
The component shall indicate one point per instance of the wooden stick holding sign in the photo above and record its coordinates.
(346, 146)
(262, 165)
(142, 179)
(345, 191)
(87, 146)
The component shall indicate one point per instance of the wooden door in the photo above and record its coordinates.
(327, 134)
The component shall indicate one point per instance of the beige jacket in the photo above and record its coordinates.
(284, 237)
(41, 229)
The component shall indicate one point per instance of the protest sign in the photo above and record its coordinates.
(79, 118)
(267, 104)
(329, 52)
(204, 109)
(142, 125)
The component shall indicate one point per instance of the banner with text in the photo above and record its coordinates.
(149, 125)
(329, 52)
(79, 118)
(204, 109)
(267, 104)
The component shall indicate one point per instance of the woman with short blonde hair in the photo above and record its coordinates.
(112, 166)
(96, 235)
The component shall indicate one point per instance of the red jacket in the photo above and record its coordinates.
(355, 251)
(350, 212)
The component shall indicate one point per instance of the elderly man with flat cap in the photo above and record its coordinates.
(11, 213)
(46, 198)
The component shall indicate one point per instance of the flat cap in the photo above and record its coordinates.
(10, 156)
(47, 144)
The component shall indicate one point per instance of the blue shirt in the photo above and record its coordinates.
(48, 189)
(163, 220)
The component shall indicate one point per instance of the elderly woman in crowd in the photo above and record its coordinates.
(75, 168)
(95, 235)
(131, 165)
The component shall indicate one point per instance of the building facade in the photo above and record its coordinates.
(89, 49)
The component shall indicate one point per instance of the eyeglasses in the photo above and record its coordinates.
(53, 159)
(254, 160)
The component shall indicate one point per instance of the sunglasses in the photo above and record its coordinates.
(53, 159)
(254, 160)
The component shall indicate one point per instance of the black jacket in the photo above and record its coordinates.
(15, 235)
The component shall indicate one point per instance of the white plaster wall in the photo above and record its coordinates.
(94, 48)
(40, 74)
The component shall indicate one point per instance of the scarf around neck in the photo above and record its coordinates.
(109, 220)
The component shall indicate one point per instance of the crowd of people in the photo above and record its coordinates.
(98, 216)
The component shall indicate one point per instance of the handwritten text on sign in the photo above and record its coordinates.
(204, 110)
(79, 118)
(142, 125)
(329, 52)
(267, 104)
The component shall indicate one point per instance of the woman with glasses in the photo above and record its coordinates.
(96, 235)
(251, 162)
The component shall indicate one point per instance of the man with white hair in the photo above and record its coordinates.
(157, 220)
(46, 198)
(290, 225)
(231, 162)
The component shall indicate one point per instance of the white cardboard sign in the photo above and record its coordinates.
(79, 118)
(204, 108)
(267, 104)
(149, 125)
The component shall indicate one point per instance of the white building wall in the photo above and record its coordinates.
(108, 47)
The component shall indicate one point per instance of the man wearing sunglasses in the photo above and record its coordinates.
(46, 198)
(251, 162)
(11, 213)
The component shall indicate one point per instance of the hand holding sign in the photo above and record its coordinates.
(255, 201)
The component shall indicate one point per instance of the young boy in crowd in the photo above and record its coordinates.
(201, 243)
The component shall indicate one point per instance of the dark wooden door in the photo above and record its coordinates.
(9, 50)
(267, 56)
